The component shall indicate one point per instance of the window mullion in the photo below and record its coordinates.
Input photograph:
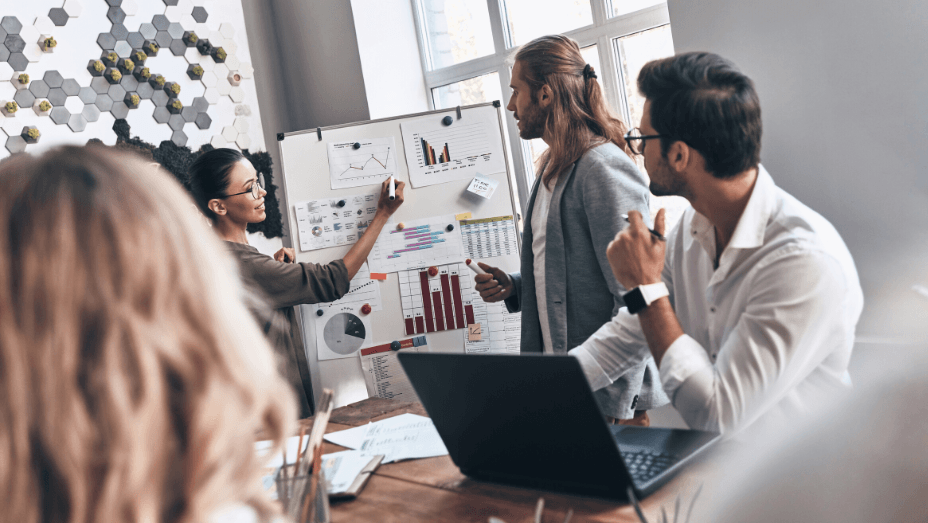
(609, 78)
(497, 26)
(600, 14)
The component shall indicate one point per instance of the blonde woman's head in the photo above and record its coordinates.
(132, 377)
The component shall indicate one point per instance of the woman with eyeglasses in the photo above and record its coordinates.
(228, 191)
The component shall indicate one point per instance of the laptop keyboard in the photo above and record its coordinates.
(644, 465)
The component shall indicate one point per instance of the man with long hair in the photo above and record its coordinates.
(750, 305)
(565, 289)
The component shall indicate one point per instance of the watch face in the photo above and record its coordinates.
(634, 300)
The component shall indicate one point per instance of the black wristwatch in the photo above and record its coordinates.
(643, 295)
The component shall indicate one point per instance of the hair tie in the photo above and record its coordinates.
(589, 72)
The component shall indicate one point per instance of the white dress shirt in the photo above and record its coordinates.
(768, 334)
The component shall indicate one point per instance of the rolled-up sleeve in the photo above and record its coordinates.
(289, 284)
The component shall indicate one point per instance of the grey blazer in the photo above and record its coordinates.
(582, 294)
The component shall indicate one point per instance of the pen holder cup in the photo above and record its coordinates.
(292, 493)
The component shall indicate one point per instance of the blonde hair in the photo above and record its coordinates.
(133, 379)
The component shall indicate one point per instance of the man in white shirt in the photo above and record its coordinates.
(750, 305)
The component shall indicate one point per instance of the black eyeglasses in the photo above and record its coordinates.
(636, 140)
(255, 190)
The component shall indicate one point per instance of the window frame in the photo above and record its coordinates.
(603, 32)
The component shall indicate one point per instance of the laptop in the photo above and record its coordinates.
(532, 420)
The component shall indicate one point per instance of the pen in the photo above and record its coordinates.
(392, 188)
(656, 234)
(473, 266)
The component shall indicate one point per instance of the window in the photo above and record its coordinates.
(466, 45)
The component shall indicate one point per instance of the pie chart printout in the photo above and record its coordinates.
(344, 333)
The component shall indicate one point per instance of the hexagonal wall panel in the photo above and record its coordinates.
(91, 113)
(203, 121)
(199, 14)
(77, 123)
(60, 115)
(73, 8)
(179, 138)
(11, 25)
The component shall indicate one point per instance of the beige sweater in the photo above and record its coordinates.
(281, 286)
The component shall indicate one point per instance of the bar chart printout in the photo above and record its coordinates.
(437, 303)
(421, 243)
(438, 153)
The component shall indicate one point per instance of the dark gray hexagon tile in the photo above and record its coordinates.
(112, 3)
(164, 39)
(145, 90)
(176, 122)
(176, 31)
(58, 15)
(120, 109)
(178, 47)
(91, 113)
(3, 33)
(200, 14)
(104, 103)
(135, 39)
(71, 87)
(129, 82)
(148, 31)
(160, 22)
(77, 123)
(24, 98)
(160, 98)
(170, 2)
(14, 43)
(179, 138)
(116, 92)
(106, 41)
(15, 144)
(53, 78)
(119, 31)
(100, 85)
(189, 113)
(116, 14)
(18, 61)
(60, 115)
(161, 114)
(11, 25)
(39, 88)
(203, 121)
(4, 53)
(87, 95)
(200, 104)
(56, 96)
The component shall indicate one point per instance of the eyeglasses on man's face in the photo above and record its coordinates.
(636, 140)
(255, 190)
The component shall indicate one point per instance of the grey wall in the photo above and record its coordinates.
(307, 67)
(844, 92)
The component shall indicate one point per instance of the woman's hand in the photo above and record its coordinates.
(385, 205)
(285, 255)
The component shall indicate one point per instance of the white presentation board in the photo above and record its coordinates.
(308, 181)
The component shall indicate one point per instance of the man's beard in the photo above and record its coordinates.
(664, 182)
(533, 123)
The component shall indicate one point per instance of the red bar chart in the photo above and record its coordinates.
(436, 303)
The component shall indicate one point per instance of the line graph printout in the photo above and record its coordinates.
(436, 303)
(421, 243)
(371, 163)
(438, 153)
(363, 290)
(330, 222)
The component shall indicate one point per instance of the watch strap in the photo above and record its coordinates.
(643, 295)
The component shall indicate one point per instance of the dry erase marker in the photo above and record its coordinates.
(656, 234)
(473, 266)
(392, 188)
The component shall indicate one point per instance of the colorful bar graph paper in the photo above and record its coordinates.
(436, 303)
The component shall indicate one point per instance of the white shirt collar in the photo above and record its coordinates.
(752, 225)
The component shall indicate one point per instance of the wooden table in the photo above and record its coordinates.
(433, 489)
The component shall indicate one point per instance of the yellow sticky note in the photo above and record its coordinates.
(474, 332)
(462, 216)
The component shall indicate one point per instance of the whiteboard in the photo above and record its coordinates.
(305, 172)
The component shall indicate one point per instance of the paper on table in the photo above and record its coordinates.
(407, 436)
(341, 469)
